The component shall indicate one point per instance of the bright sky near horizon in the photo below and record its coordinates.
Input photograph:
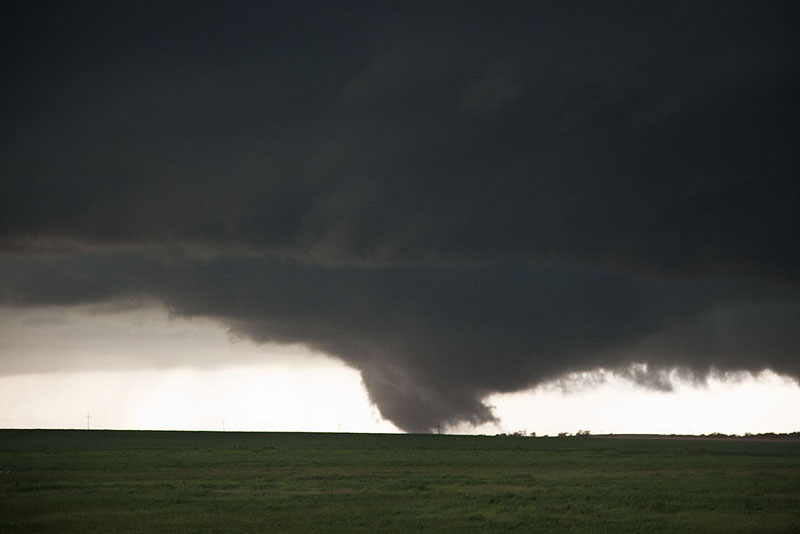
(288, 388)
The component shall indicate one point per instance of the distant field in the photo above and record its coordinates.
(110, 481)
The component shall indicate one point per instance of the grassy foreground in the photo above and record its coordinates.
(110, 481)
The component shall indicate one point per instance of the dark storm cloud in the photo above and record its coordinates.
(455, 200)
(432, 341)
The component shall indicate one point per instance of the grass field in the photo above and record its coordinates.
(111, 481)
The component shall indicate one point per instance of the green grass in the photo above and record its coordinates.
(104, 481)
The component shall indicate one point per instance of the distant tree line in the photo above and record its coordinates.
(795, 435)
(582, 433)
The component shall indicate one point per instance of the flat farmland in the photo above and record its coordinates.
(128, 481)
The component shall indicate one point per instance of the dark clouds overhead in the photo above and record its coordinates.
(455, 200)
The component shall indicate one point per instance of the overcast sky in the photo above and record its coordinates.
(454, 202)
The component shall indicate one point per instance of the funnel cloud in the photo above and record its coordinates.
(454, 200)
